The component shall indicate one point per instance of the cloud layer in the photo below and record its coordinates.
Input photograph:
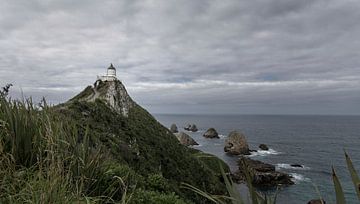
(271, 57)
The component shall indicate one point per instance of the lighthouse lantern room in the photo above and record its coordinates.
(110, 74)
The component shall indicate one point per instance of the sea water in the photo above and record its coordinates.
(316, 142)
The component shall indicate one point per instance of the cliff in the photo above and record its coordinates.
(111, 92)
(133, 137)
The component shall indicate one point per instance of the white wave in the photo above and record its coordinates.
(264, 153)
(222, 136)
(288, 166)
(297, 178)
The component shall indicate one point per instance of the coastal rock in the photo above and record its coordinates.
(263, 147)
(264, 175)
(236, 144)
(113, 93)
(317, 201)
(191, 128)
(211, 133)
(297, 165)
(174, 128)
(185, 139)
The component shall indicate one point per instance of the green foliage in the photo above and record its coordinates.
(212, 162)
(340, 198)
(354, 176)
(157, 182)
(86, 93)
(153, 197)
(145, 145)
(85, 152)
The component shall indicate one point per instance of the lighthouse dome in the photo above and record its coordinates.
(111, 71)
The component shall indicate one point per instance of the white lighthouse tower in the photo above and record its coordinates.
(110, 74)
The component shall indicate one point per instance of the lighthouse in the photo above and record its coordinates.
(110, 74)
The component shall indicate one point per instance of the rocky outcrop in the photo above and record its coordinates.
(263, 174)
(174, 128)
(191, 128)
(317, 201)
(297, 165)
(185, 139)
(112, 92)
(236, 144)
(263, 147)
(211, 133)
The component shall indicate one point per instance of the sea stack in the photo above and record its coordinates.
(263, 174)
(191, 128)
(174, 128)
(263, 147)
(236, 144)
(211, 133)
(185, 139)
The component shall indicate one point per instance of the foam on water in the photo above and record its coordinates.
(264, 153)
(288, 166)
(297, 178)
(222, 136)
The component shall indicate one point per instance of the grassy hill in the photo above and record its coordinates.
(90, 151)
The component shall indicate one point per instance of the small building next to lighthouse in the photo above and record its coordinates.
(110, 74)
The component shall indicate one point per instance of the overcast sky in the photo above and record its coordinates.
(239, 57)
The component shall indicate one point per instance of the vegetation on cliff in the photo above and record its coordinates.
(86, 152)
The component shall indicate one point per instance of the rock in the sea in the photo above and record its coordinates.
(263, 147)
(297, 165)
(185, 139)
(174, 128)
(264, 175)
(211, 133)
(191, 128)
(317, 201)
(236, 144)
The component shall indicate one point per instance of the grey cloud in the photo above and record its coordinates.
(186, 56)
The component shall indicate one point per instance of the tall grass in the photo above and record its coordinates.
(340, 196)
(47, 159)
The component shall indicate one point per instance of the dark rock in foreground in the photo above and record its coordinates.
(264, 175)
(236, 144)
(174, 128)
(317, 201)
(211, 133)
(191, 128)
(263, 147)
(185, 139)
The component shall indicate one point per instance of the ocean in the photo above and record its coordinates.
(317, 142)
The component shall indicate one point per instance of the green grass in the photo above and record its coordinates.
(84, 152)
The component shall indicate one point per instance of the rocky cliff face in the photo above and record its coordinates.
(112, 92)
